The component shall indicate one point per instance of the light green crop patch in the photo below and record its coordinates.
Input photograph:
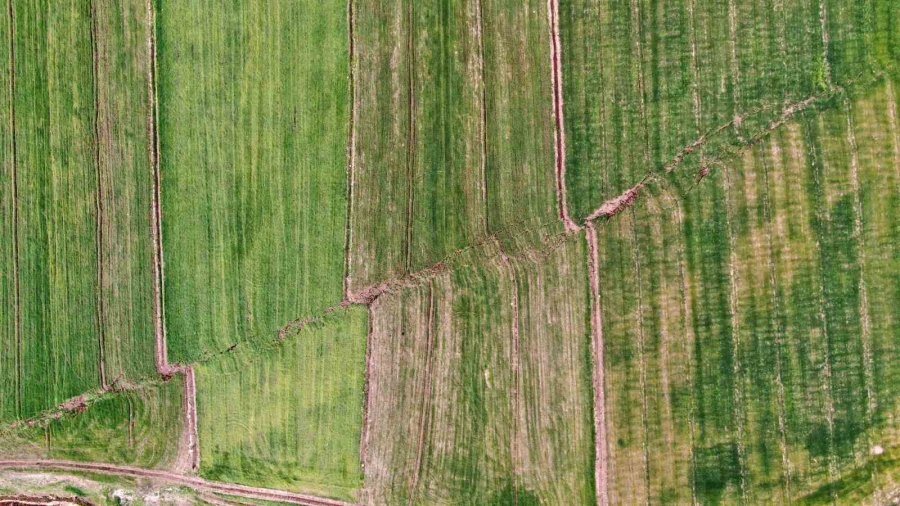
(291, 416)
(253, 120)
(139, 427)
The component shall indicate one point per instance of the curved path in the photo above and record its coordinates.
(194, 483)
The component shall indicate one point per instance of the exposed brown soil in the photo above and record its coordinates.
(558, 109)
(191, 482)
(601, 465)
(43, 500)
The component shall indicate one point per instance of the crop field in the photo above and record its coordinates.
(453, 132)
(288, 417)
(253, 112)
(139, 427)
(749, 331)
(450, 252)
(480, 384)
(643, 80)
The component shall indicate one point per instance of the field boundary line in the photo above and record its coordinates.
(601, 454)
(17, 331)
(479, 11)
(559, 134)
(826, 43)
(351, 149)
(189, 448)
(98, 197)
(191, 482)
(162, 360)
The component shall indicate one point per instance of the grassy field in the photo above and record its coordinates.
(253, 127)
(453, 132)
(76, 282)
(645, 79)
(480, 384)
(763, 358)
(56, 179)
(289, 417)
(139, 427)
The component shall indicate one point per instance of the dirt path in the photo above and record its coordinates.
(197, 484)
(559, 115)
(601, 465)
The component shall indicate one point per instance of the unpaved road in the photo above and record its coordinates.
(197, 484)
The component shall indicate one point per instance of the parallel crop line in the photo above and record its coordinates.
(642, 372)
(637, 43)
(351, 149)
(859, 237)
(780, 333)
(737, 394)
(518, 425)
(559, 133)
(411, 140)
(98, 198)
(426, 396)
(601, 459)
(735, 68)
(11, 17)
(685, 308)
(828, 384)
(826, 42)
(484, 191)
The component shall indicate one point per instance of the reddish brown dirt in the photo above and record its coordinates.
(191, 482)
(558, 109)
(601, 465)
(43, 500)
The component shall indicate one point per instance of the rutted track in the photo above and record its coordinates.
(197, 484)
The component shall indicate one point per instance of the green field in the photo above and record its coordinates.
(764, 356)
(139, 427)
(289, 417)
(254, 114)
(347, 221)
(76, 283)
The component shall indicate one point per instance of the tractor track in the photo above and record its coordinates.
(194, 483)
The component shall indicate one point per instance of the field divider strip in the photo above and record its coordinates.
(98, 197)
(189, 448)
(351, 148)
(619, 203)
(559, 132)
(190, 482)
(479, 11)
(601, 453)
(826, 42)
(17, 330)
